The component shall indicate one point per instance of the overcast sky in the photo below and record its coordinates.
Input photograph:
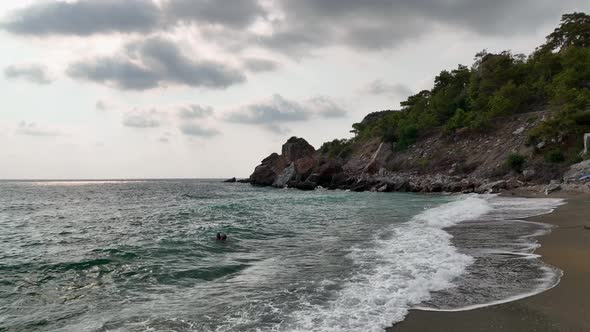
(208, 88)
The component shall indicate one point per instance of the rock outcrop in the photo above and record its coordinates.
(297, 148)
(578, 171)
(267, 172)
(294, 165)
(467, 162)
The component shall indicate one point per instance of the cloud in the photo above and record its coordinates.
(143, 119)
(32, 73)
(152, 63)
(89, 17)
(101, 105)
(306, 25)
(85, 17)
(277, 111)
(257, 65)
(193, 129)
(381, 88)
(231, 13)
(195, 112)
(325, 107)
(293, 28)
(32, 129)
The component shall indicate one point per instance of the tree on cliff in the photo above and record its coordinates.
(502, 84)
(574, 31)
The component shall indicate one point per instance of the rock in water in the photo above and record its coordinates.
(232, 180)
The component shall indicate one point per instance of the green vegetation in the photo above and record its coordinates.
(516, 162)
(554, 156)
(338, 148)
(555, 76)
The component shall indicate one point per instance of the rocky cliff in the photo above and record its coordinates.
(465, 161)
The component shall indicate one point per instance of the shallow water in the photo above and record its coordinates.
(141, 256)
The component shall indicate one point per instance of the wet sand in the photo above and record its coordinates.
(565, 307)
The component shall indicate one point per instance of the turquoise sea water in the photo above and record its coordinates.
(142, 256)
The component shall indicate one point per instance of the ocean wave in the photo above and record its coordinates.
(397, 273)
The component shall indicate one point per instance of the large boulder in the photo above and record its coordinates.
(297, 148)
(267, 172)
(577, 171)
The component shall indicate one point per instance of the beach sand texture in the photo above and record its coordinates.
(565, 307)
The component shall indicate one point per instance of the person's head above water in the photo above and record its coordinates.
(224, 237)
(219, 236)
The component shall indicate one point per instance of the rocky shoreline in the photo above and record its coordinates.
(303, 167)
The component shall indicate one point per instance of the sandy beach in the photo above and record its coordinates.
(565, 307)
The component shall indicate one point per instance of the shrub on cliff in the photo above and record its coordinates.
(338, 148)
(554, 156)
(516, 162)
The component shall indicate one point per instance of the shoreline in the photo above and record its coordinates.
(564, 307)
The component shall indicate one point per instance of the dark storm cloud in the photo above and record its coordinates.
(274, 113)
(153, 63)
(33, 73)
(193, 129)
(84, 17)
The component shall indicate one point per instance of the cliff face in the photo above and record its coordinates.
(465, 161)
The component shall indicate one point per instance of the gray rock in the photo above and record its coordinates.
(541, 145)
(577, 171)
(287, 175)
(528, 174)
(492, 187)
(552, 187)
(586, 143)
(518, 131)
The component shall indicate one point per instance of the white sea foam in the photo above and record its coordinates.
(513, 209)
(397, 273)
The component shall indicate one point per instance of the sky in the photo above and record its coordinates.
(95, 89)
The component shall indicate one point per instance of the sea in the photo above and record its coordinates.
(142, 255)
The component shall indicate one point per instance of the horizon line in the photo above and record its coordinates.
(115, 179)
